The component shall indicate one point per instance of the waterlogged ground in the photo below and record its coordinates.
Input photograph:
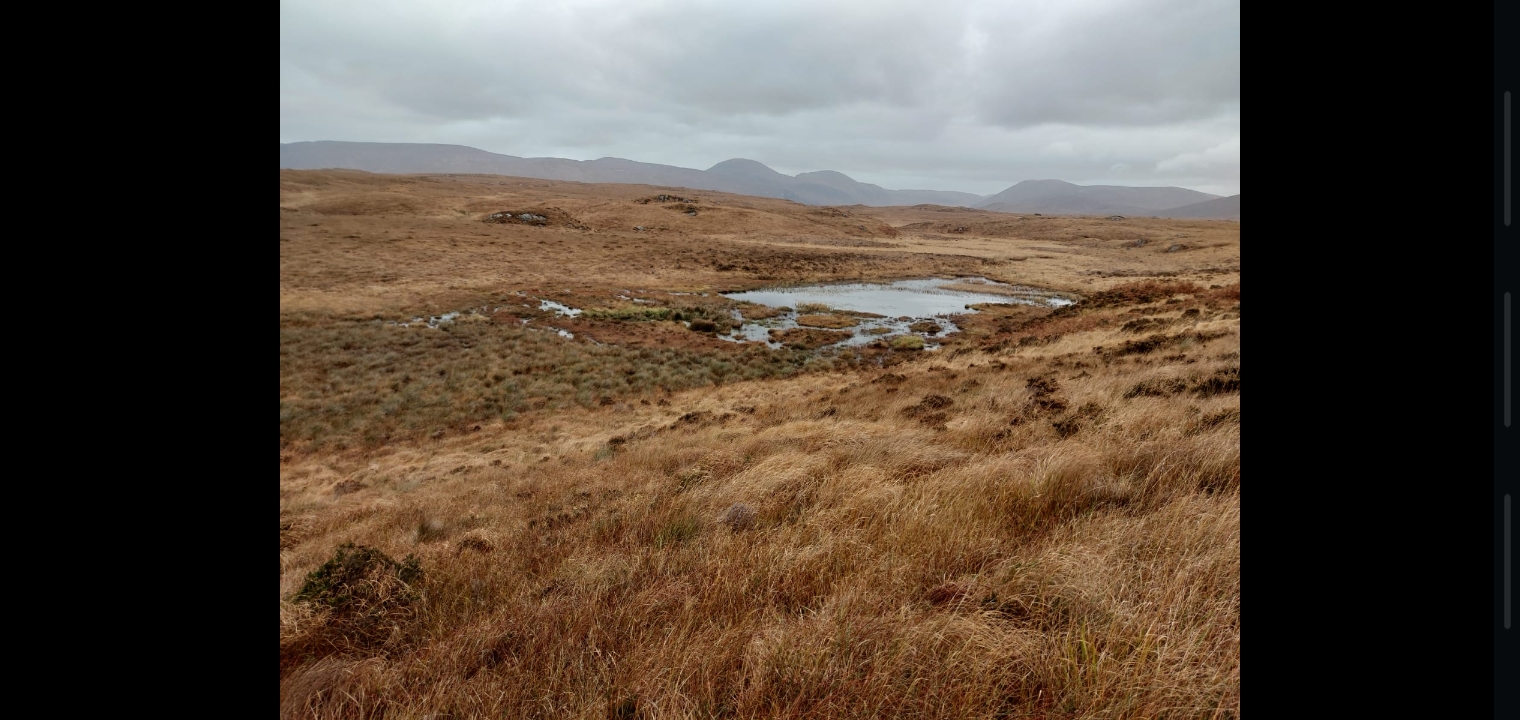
(559, 308)
(858, 313)
(923, 298)
(886, 310)
(484, 312)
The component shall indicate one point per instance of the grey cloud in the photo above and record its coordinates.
(1129, 64)
(967, 95)
(772, 59)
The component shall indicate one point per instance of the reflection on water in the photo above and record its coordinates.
(881, 310)
(900, 304)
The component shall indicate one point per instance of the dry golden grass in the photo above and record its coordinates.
(807, 338)
(1041, 519)
(827, 321)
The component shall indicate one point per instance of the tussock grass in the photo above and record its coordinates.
(907, 342)
(1014, 526)
(631, 314)
(883, 567)
(827, 321)
(807, 338)
(756, 311)
(356, 383)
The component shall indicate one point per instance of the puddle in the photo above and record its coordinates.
(565, 310)
(435, 321)
(432, 322)
(903, 303)
(485, 312)
(900, 305)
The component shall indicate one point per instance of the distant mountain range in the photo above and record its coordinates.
(1225, 207)
(1057, 197)
(747, 177)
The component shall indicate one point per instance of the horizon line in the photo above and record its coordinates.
(761, 162)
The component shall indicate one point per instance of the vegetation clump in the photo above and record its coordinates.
(827, 321)
(359, 578)
(631, 314)
(907, 342)
(808, 338)
(364, 600)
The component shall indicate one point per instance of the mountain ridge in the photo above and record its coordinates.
(742, 176)
(1227, 208)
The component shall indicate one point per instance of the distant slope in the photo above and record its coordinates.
(747, 177)
(1225, 208)
(738, 175)
(750, 178)
(1066, 205)
(935, 197)
(390, 157)
(1032, 191)
(1055, 197)
(424, 158)
(868, 194)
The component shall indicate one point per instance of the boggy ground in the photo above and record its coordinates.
(1040, 519)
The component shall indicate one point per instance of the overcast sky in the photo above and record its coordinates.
(970, 95)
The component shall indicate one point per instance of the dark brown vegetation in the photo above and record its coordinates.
(807, 338)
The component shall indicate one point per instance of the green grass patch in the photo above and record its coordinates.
(349, 383)
(907, 342)
(632, 314)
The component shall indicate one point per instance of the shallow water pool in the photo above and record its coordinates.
(900, 304)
